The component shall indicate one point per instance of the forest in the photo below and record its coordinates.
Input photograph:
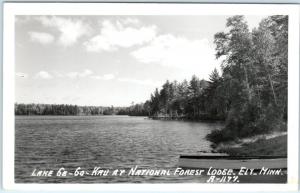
(249, 94)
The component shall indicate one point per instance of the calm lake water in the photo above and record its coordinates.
(109, 142)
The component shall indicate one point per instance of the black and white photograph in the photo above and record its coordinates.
(151, 99)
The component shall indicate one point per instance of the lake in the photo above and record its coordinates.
(109, 142)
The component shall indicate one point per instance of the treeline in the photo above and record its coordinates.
(141, 109)
(194, 100)
(65, 109)
(251, 92)
(62, 109)
(186, 100)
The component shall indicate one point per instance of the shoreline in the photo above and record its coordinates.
(275, 146)
(184, 118)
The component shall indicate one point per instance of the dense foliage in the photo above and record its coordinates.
(255, 70)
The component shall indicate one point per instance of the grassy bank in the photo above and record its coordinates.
(274, 146)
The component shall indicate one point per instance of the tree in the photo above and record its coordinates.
(155, 103)
(235, 46)
(271, 50)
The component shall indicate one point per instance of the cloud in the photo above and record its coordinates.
(70, 29)
(147, 82)
(43, 75)
(21, 74)
(72, 74)
(104, 77)
(85, 73)
(115, 35)
(140, 82)
(189, 56)
(130, 21)
(41, 37)
(58, 74)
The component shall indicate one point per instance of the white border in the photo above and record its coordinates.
(12, 9)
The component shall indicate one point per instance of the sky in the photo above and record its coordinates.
(111, 60)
